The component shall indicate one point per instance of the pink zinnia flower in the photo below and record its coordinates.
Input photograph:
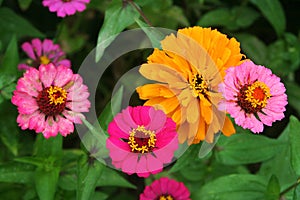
(65, 7)
(43, 52)
(253, 96)
(50, 99)
(165, 189)
(141, 140)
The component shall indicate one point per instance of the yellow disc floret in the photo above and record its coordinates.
(141, 140)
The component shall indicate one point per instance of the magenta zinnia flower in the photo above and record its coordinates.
(253, 96)
(43, 52)
(65, 7)
(50, 100)
(165, 189)
(141, 140)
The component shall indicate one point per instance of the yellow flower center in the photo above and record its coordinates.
(141, 140)
(252, 98)
(199, 85)
(166, 197)
(44, 60)
(52, 100)
(56, 95)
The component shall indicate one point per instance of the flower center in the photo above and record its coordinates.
(66, 0)
(44, 60)
(252, 98)
(141, 140)
(165, 197)
(199, 85)
(52, 100)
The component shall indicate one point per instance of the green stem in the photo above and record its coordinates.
(140, 12)
(290, 188)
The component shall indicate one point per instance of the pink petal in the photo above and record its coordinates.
(37, 122)
(27, 48)
(158, 119)
(47, 74)
(115, 131)
(79, 106)
(64, 62)
(74, 117)
(116, 153)
(65, 126)
(51, 128)
(154, 165)
(63, 76)
(141, 168)
(140, 115)
(129, 164)
(23, 66)
(37, 46)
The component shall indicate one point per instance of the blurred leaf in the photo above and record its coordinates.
(9, 131)
(233, 19)
(12, 172)
(234, 187)
(274, 13)
(117, 17)
(280, 163)
(24, 4)
(247, 148)
(46, 182)
(88, 175)
(188, 156)
(51, 147)
(37, 161)
(11, 23)
(111, 109)
(253, 47)
(297, 193)
(100, 196)
(7, 86)
(154, 36)
(110, 177)
(10, 60)
(273, 189)
(294, 142)
(207, 147)
(292, 91)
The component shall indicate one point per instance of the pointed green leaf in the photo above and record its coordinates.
(118, 16)
(273, 189)
(111, 177)
(233, 187)
(11, 58)
(7, 85)
(51, 147)
(247, 148)
(297, 192)
(13, 172)
(292, 90)
(11, 23)
(295, 144)
(46, 182)
(88, 175)
(24, 4)
(274, 13)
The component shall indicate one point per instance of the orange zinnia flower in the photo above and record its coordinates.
(189, 70)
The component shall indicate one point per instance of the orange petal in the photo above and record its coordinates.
(154, 90)
(228, 128)
(206, 112)
(182, 131)
(168, 105)
(201, 131)
(193, 112)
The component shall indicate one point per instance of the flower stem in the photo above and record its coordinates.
(290, 188)
(140, 11)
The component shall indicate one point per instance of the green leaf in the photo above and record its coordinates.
(51, 147)
(153, 34)
(110, 177)
(46, 182)
(24, 4)
(292, 91)
(297, 192)
(9, 131)
(189, 155)
(233, 19)
(100, 196)
(10, 60)
(11, 23)
(234, 187)
(294, 142)
(111, 109)
(12, 172)
(88, 175)
(117, 17)
(247, 148)
(273, 189)
(274, 13)
(253, 47)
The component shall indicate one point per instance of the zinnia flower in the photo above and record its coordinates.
(50, 99)
(189, 70)
(43, 52)
(65, 7)
(165, 189)
(141, 140)
(253, 96)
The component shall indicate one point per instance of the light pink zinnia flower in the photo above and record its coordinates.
(253, 96)
(43, 52)
(165, 189)
(141, 140)
(50, 99)
(65, 7)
